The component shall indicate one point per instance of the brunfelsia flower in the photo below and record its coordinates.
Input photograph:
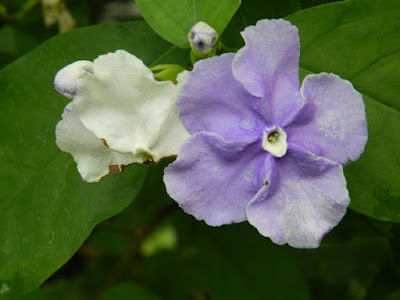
(263, 148)
(119, 115)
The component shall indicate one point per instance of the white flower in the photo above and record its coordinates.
(119, 115)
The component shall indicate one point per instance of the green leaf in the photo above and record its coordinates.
(163, 238)
(172, 19)
(394, 296)
(167, 72)
(128, 290)
(359, 41)
(309, 3)
(15, 42)
(107, 242)
(46, 210)
(64, 288)
(258, 270)
(249, 12)
(152, 201)
(346, 270)
(3, 10)
(355, 226)
(230, 262)
(35, 295)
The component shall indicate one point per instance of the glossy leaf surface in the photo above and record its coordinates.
(172, 19)
(46, 209)
(360, 41)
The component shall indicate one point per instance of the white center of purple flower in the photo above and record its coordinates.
(274, 141)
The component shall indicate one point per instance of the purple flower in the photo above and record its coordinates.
(263, 148)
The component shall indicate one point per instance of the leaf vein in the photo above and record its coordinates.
(162, 56)
(374, 62)
(318, 37)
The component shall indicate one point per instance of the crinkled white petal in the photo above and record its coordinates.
(95, 160)
(66, 79)
(122, 103)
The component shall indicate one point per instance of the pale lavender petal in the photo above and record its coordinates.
(333, 120)
(307, 200)
(211, 100)
(268, 67)
(214, 179)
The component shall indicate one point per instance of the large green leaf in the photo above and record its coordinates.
(128, 290)
(360, 41)
(172, 19)
(230, 262)
(346, 270)
(249, 12)
(15, 42)
(46, 210)
(254, 267)
(309, 3)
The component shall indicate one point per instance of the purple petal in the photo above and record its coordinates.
(308, 198)
(268, 67)
(333, 120)
(214, 180)
(212, 100)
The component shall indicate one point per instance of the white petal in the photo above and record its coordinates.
(95, 160)
(66, 79)
(122, 103)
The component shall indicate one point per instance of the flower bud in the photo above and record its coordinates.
(66, 79)
(202, 38)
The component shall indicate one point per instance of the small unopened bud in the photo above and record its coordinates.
(202, 38)
(166, 72)
(65, 80)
